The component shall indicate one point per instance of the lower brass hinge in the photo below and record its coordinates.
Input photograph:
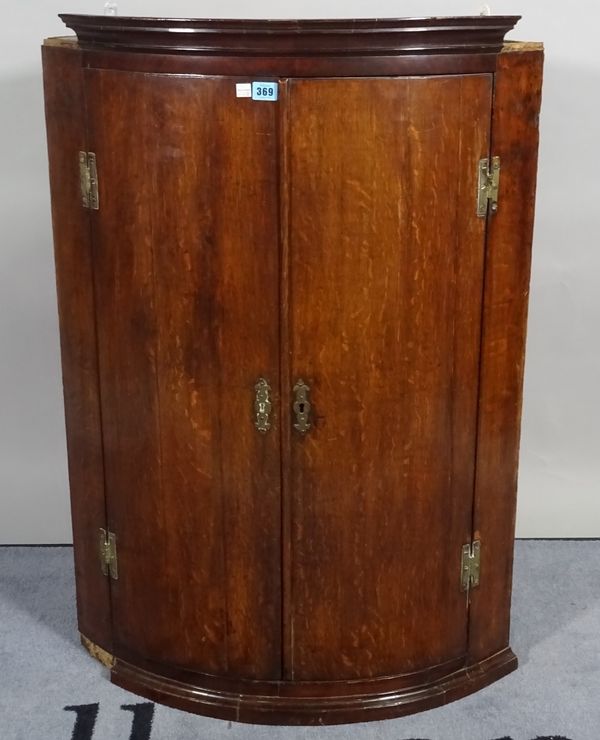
(488, 184)
(469, 566)
(108, 554)
(88, 180)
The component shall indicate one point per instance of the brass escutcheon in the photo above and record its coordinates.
(301, 407)
(262, 405)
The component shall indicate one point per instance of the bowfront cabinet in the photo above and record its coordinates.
(292, 265)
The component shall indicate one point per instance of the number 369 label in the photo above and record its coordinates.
(257, 90)
(264, 91)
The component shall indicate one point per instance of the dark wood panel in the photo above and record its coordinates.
(185, 246)
(515, 141)
(293, 66)
(385, 284)
(63, 91)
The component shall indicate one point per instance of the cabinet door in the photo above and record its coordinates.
(186, 280)
(386, 258)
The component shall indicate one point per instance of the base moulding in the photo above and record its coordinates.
(315, 703)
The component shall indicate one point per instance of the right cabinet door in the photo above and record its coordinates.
(386, 257)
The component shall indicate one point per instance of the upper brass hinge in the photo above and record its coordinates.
(488, 183)
(469, 565)
(88, 180)
(108, 554)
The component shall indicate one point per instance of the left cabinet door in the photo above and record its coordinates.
(186, 264)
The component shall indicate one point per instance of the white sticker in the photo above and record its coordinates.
(243, 90)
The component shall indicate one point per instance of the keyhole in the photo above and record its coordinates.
(301, 407)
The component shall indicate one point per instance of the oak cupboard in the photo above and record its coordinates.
(292, 262)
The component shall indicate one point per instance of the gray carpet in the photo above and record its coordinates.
(554, 694)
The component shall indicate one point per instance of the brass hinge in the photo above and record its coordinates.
(487, 185)
(108, 554)
(469, 565)
(88, 180)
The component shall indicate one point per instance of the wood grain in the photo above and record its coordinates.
(385, 290)
(184, 239)
(515, 140)
(65, 125)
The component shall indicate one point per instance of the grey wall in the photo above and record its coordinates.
(560, 459)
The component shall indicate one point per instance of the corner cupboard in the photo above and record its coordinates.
(293, 264)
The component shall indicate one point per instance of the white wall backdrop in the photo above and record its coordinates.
(559, 491)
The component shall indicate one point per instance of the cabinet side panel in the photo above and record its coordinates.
(515, 141)
(66, 137)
